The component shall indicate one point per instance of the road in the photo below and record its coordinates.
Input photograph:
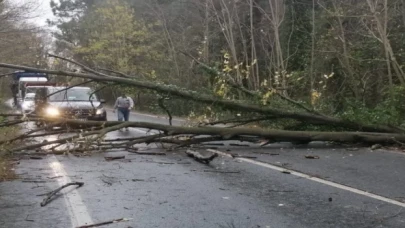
(345, 187)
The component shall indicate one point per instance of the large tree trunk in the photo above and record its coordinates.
(207, 134)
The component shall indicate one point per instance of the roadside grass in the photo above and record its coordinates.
(6, 164)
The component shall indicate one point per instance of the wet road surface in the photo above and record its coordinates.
(176, 191)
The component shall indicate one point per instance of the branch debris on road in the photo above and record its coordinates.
(135, 151)
(111, 158)
(52, 193)
(200, 158)
(105, 223)
(311, 156)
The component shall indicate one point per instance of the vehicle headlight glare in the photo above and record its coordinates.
(99, 111)
(51, 111)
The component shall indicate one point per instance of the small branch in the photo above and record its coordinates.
(4, 75)
(229, 80)
(162, 106)
(296, 103)
(145, 153)
(200, 158)
(95, 91)
(116, 72)
(241, 120)
(104, 223)
(86, 68)
(52, 193)
(11, 123)
(69, 87)
(28, 134)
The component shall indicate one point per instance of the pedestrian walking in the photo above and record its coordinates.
(123, 105)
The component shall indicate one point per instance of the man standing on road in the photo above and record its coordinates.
(124, 105)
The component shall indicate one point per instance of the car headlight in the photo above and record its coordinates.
(100, 111)
(51, 111)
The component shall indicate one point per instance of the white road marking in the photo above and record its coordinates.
(74, 203)
(316, 179)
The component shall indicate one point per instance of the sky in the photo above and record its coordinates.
(40, 12)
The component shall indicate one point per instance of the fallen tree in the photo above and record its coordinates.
(241, 106)
(185, 136)
(90, 135)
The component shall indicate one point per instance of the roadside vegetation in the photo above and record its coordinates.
(338, 58)
(6, 133)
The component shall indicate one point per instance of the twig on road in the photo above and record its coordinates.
(220, 171)
(130, 150)
(52, 193)
(311, 157)
(200, 158)
(105, 223)
(243, 156)
(110, 158)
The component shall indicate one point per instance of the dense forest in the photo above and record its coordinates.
(341, 58)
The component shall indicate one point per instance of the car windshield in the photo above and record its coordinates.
(29, 97)
(31, 89)
(72, 94)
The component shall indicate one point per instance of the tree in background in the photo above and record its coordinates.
(20, 42)
(341, 57)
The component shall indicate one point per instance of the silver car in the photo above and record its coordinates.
(28, 104)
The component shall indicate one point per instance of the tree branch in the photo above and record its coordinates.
(116, 72)
(86, 68)
(162, 106)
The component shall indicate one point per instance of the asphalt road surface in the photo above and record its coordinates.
(274, 186)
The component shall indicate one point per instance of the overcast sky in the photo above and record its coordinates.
(40, 12)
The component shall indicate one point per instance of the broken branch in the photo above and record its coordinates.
(104, 223)
(52, 193)
(200, 158)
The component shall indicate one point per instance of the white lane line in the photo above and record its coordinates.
(74, 203)
(316, 179)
